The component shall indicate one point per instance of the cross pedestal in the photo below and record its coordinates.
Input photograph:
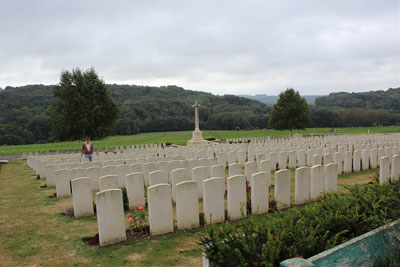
(197, 137)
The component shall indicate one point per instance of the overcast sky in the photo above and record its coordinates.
(223, 47)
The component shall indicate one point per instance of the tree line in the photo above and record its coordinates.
(46, 113)
(364, 109)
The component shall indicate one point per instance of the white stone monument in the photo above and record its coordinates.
(197, 138)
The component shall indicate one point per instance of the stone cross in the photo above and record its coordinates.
(196, 115)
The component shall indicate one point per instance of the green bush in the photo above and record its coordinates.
(302, 231)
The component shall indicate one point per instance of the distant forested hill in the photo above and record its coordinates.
(272, 99)
(357, 109)
(387, 100)
(23, 118)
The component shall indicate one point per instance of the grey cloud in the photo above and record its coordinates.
(218, 46)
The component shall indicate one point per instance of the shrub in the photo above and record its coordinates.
(302, 231)
(138, 222)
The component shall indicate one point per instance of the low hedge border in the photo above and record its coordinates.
(302, 231)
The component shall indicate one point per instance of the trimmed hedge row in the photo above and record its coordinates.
(302, 231)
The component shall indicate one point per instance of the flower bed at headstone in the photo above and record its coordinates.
(302, 231)
(138, 222)
(138, 227)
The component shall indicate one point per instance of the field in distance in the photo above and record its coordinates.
(180, 138)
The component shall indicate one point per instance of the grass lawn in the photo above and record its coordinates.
(33, 232)
(181, 138)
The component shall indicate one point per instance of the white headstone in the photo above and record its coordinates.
(236, 197)
(110, 217)
(178, 176)
(122, 170)
(317, 182)
(282, 188)
(338, 160)
(328, 158)
(213, 200)
(265, 166)
(317, 159)
(282, 160)
(395, 171)
(331, 178)
(365, 159)
(292, 159)
(158, 177)
(301, 158)
(235, 169)
(302, 185)
(199, 175)
(82, 197)
(109, 182)
(147, 168)
(108, 170)
(373, 157)
(62, 182)
(187, 205)
(94, 174)
(384, 171)
(259, 193)
(357, 161)
(218, 171)
(160, 209)
(348, 161)
(137, 167)
(135, 190)
(250, 168)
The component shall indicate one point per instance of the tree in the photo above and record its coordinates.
(82, 107)
(324, 117)
(290, 112)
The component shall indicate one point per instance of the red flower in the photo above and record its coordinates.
(141, 208)
(128, 214)
(130, 220)
(147, 215)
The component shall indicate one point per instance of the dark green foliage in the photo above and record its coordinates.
(363, 109)
(324, 117)
(272, 99)
(362, 117)
(290, 112)
(22, 114)
(387, 100)
(169, 108)
(125, 198)
(302, 231)
(142, 109)
(82, 107)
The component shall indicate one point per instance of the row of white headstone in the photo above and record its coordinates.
(219, 171)
(59, 175)
(310, 184)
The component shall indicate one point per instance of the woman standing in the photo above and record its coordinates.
(87, 149)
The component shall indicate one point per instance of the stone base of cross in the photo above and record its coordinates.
(197, 139)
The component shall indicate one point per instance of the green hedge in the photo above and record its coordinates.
(302, 231)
